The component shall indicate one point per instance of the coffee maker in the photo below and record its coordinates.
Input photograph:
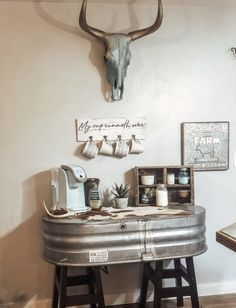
(67, 184)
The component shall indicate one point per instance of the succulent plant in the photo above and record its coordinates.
(121, 191)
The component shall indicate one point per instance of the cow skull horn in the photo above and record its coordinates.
(154, 27)
(83, 23)
(117, 56)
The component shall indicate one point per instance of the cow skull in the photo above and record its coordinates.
(117, 54)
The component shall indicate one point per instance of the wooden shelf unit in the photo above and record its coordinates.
(160, 175)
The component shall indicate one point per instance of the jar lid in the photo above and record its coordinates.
(161, 185)
(93, 180)
(147, 173)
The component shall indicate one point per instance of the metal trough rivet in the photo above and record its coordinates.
(123, 226)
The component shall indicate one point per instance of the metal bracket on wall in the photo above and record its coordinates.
(233, 49)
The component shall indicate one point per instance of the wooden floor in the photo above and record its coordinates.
(215, 301)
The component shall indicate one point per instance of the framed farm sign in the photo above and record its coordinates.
(205, 145)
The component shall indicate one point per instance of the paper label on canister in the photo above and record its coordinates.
(98, 256)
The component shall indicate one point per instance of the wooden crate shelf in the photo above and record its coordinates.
(160, 174)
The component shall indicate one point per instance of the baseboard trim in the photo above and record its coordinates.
(226, 287)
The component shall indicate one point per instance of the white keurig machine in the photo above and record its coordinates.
(67, 184)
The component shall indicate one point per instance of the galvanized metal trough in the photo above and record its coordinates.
(83, 242)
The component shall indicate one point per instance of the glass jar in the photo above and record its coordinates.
(94, 197)
(144, 197)
(161, 195)
(183, 176)
(148, 195)
(87, 186)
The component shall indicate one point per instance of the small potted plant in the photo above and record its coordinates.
(121, 194)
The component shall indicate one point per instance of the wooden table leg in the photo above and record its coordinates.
(62, 286)
(144, 285)
(55, 290)
(193, 284)
(99, 289)
(178, 281)
(158, 284)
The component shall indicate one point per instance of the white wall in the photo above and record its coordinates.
(51, 73)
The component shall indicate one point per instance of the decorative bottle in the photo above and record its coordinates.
(161, 195)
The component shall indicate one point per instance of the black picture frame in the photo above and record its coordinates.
(205, 145)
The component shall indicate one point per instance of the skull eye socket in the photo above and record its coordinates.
(107, 56)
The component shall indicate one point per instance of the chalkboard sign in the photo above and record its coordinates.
(205, 145)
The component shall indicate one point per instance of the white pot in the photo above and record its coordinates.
(147, 179)
(121, 203)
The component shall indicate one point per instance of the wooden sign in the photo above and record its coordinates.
(112, 128)
(205, 145)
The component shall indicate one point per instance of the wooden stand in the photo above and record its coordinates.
(160, 174)
(62, 282)
(179, 291)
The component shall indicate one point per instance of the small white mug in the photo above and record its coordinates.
(90, 149)
(135, 146)
(121, 148)
(106, 147)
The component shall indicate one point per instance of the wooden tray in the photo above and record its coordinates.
(226, 240)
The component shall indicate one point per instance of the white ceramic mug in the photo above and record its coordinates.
(90, 149)
(106, 147)
(121, 148)
(135, 146)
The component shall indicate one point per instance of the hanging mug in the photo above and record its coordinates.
(106, 147)
(135, 146)
(90, 149)
(121, 148)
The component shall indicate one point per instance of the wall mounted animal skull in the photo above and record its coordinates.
(117, 54)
